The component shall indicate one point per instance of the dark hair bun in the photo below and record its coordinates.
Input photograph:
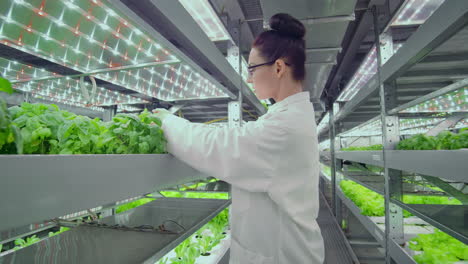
(287, 25)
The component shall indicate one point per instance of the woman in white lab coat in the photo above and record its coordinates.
(272, 163)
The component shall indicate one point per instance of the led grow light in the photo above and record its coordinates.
(407, 127)
(68, 102)
(17, 71)
(66, 90)
(365, 72)
(455, 101)
(84, 36)
(203, 13)
(127, 108)
(416, 12)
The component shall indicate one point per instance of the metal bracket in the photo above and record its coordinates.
(233, 56)
(234, 114)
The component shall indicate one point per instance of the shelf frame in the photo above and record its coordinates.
(80, 182)
(445, 164)
(99, 244)
(394, 249)
(450, 228)
(379, 99)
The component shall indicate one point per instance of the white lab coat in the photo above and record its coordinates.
(273, 167)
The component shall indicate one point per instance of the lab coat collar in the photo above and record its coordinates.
(293, 99)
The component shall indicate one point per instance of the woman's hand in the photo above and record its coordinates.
(161, 113)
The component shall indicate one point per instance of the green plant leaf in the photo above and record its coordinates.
(5, 86)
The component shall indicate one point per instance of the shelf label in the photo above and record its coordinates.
(376, 157)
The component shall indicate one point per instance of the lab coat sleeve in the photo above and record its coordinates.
(244, 156)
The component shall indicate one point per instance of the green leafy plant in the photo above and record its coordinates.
(205, 244)
(127, 134)
(131, 205)
(62, 229)
(10, 137)
(373, 204)
(21, 243)
(45, 129)
(437, 248)
(5, 86)
(445, 140)
(191, 255)
(365, 148)
(173, 194)
(200, 195)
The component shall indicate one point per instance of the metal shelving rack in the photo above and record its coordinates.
(127, 54)
(87, 244)
(431, 63)
(64, 184)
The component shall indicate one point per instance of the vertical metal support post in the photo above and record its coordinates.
(331, 133)
(109, 113)
(338, 178)
(234, 58)
(335, 164)
(241, 80)
(390, 137)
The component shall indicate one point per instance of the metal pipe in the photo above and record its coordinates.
(253, 19)
(324, 49)
(330, 19)
(240, 69)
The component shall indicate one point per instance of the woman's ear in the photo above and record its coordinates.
(280, 67)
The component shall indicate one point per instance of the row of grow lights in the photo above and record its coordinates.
(88, 36)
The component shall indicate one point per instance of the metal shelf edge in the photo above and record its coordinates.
(49, 184)
(446, 164)
(367, 157)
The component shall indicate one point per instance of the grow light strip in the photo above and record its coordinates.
(104, 26)
(364, 73)
(69, 50)
(455, 101)
(128, 108)
(203, 13)
(67, 102)
(70, 90)
(407, 127)
(13, 69)
(63, 60)
(416, 12)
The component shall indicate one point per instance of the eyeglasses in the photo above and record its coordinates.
(252, 68)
